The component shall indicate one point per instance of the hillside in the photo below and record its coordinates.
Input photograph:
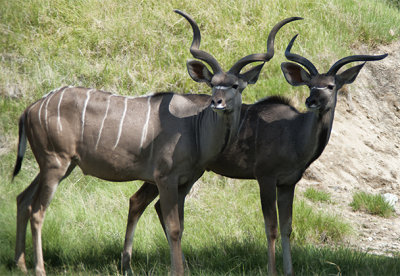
(363, 153)
(139, 47)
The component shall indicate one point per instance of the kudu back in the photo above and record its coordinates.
(276, 143)
(166, 139)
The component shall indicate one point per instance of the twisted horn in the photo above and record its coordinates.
(340, 63)
(270, 48)
(194, 48)
(299, 59)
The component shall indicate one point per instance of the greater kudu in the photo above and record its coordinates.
(135, 207)
(165, 139)
(276, 144)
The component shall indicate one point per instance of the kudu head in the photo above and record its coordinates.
(323, 87)
(227, 86)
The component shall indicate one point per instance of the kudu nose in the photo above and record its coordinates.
(218, 104)
(311, 102)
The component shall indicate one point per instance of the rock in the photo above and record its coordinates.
(391, 199)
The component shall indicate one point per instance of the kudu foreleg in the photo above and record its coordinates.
(24, 208)
(137, 204)
(170, 212)
(183, 191)
(268, 205)
(285, 205)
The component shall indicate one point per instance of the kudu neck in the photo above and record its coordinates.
(319, 132)
(216, 131)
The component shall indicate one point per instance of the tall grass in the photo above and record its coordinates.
(138, 47)
(373, 204)
(316, 195)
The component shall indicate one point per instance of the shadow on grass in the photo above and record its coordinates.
(233, 258)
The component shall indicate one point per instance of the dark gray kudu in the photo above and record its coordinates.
(135, 207)
(165, 139)
(276, 144)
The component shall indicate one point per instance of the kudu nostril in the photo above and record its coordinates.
(219, 101)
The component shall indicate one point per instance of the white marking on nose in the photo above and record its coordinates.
(84, 111)
(104, 119)
(319, 88)
(222, 87)
(121, 122)
(146, 124)
(59, 126)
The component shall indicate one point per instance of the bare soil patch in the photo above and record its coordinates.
(363, 153)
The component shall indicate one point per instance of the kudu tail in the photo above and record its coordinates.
(21, 146)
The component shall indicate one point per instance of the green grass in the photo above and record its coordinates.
(318, 227)
(138, 47)
(317, 196)
(373, 204)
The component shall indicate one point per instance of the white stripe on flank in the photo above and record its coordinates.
(30, 108)
(45, 111)
(44, 99)
(121, 122)
(146, 125)
(40, 111)
(59, 126)
(58, 161)
(104, 119)
(84, 111)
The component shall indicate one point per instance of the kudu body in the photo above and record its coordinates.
(148, 191)
(276, 143)
(165, 139)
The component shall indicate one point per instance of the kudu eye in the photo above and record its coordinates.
(330, 87)
(235, 86)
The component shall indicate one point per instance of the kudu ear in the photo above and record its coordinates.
(349, 75)
(295, 74)
(199, 72)
(251, 76)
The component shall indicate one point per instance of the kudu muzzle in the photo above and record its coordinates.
(221, 98)
(312, 102)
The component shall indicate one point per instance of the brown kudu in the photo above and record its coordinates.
(276, 144)
(165, 139)
(136, 207)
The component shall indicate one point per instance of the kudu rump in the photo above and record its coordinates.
(165, 139)
(276, 144)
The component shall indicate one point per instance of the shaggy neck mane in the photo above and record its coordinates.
(276, 99)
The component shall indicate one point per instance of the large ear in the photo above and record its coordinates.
(349, 75)
(295, 74)
(199, 72)
(251, 76)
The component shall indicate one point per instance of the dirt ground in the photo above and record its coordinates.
(363, 153)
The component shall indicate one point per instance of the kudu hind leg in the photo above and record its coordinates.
(24, 208)
(268, 205)
(285, 206)
(47, 185)
(137, 204)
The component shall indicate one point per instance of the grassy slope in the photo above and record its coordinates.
(134, 47)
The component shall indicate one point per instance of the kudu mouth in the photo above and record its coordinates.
(312, 105)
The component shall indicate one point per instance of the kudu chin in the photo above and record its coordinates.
(165, 139)
(276, 144)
